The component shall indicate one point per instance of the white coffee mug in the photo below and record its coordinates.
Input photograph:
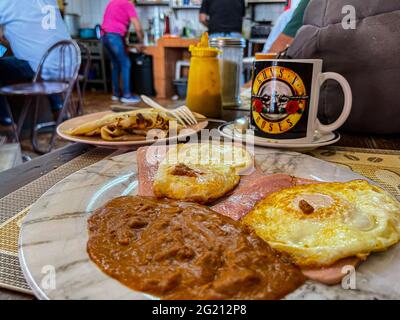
(285, 97)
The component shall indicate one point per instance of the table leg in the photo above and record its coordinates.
(23, 114)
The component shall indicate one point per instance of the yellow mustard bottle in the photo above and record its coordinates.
(204, 84)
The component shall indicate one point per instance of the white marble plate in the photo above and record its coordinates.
(52, 245)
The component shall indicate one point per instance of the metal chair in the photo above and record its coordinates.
(83, 77)
(10, 148)
(60, 83)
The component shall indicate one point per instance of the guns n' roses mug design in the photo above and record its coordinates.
(285, 95)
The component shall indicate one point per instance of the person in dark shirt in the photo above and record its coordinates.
(223, 18)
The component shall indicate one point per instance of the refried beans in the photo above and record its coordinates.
(178, 250)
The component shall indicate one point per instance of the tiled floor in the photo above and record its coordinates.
(10, 156)
(94, 102)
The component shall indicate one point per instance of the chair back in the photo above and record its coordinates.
(61, 63)
(86, 62)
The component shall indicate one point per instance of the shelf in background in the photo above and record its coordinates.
(265, 1)
(186, 7)
(182, 7)
(152, 3)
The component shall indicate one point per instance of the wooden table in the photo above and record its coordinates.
(14, 179)
(165, 55)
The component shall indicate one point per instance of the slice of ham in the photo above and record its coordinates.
(248, 193)
(252, 188)
(333, 274)
(148, 159)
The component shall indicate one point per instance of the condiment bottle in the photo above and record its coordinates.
(204, 86)
(231, 61)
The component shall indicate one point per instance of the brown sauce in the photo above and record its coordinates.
(306, 207)
(183, 170)
(177, 250)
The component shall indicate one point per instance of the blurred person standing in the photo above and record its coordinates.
(223, 18)
(118, 17)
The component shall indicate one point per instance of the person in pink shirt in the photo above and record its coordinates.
(117, 19)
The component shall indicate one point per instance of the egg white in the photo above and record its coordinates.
(211, 154)
(349, 219)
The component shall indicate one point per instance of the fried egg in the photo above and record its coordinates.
(212, 154)
(319, 224)
(202, 172)
(194, 183)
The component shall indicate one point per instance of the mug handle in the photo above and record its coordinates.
(348, 101)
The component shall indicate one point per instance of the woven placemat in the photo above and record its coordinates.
(382, 166)
(15, 206)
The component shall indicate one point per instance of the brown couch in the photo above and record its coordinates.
(369, 58)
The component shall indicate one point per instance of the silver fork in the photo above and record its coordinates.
(183, 114)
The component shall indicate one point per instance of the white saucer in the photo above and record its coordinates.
(227, 130)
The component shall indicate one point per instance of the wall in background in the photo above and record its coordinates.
(91, 12)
